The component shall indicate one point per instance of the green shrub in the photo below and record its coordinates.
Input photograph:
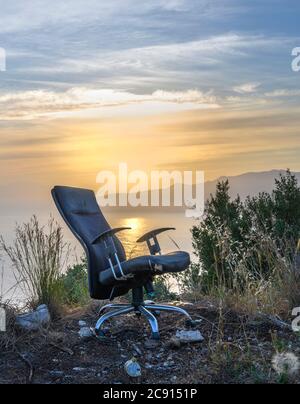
(189, 281)
(248, 247)
(74, 285)
(163, 288)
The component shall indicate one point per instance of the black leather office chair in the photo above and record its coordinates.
(110, 274)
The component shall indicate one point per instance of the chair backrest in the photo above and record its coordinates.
(82, 214)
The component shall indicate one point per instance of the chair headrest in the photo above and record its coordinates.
(76, 200)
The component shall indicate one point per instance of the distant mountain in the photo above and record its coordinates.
(249, 183)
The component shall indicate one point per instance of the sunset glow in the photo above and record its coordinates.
(224, 100)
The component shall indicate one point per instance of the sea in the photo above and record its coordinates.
(139, 220)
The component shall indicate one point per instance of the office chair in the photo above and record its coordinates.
(110, 274)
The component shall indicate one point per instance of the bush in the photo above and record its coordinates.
(74, 285)
(249, 248)
(38, 256)
(189, 282)
(163, 288)
(223, 227)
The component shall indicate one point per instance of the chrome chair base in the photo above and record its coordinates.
(142, 309)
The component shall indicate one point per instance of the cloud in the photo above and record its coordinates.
(175, 5)
(182, 62)
(283, 93)
(139, 46)
(246, 88)
(33, 104)
(172, 56)
(17, 16)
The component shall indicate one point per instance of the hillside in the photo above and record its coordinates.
(249, 183)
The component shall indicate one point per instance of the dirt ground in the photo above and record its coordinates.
(237, 349)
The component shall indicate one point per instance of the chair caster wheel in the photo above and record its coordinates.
(190, 323)
(155, 336)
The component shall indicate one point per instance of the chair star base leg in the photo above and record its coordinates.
(110, 315)
(152, 321)
(113, 306)
(164, 307)
(142, 309)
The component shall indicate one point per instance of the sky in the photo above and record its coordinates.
(160, 84)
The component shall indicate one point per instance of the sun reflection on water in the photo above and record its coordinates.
(138, 228)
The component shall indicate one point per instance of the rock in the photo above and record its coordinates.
(189, 336)
(133, 368)
(85, 333)
(56, 373)
(137, 349)
(148, 302)
(149, 356)
(198, 321)
(35, 320)
(78, 369)
(168, 364)
(174, 343)
(82, 323)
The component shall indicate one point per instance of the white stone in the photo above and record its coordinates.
(35, 320)
(189, 336)
(133, 368)
(85, 333)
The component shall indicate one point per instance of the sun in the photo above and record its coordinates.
(133, 222)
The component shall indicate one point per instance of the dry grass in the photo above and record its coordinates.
(261, 276)
(38, 256)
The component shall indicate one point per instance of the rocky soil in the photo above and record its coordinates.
(237, 348)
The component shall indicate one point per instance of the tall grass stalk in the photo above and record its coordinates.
(38, 256)
(241, 278)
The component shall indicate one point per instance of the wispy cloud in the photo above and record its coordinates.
(246, 88)
(283, 93)
(33, 104)
(175, 56)
(17, 16)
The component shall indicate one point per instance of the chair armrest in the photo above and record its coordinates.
(108, 233)
(153, 233)
(152, 241)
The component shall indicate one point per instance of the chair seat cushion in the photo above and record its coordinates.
(146, 265)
